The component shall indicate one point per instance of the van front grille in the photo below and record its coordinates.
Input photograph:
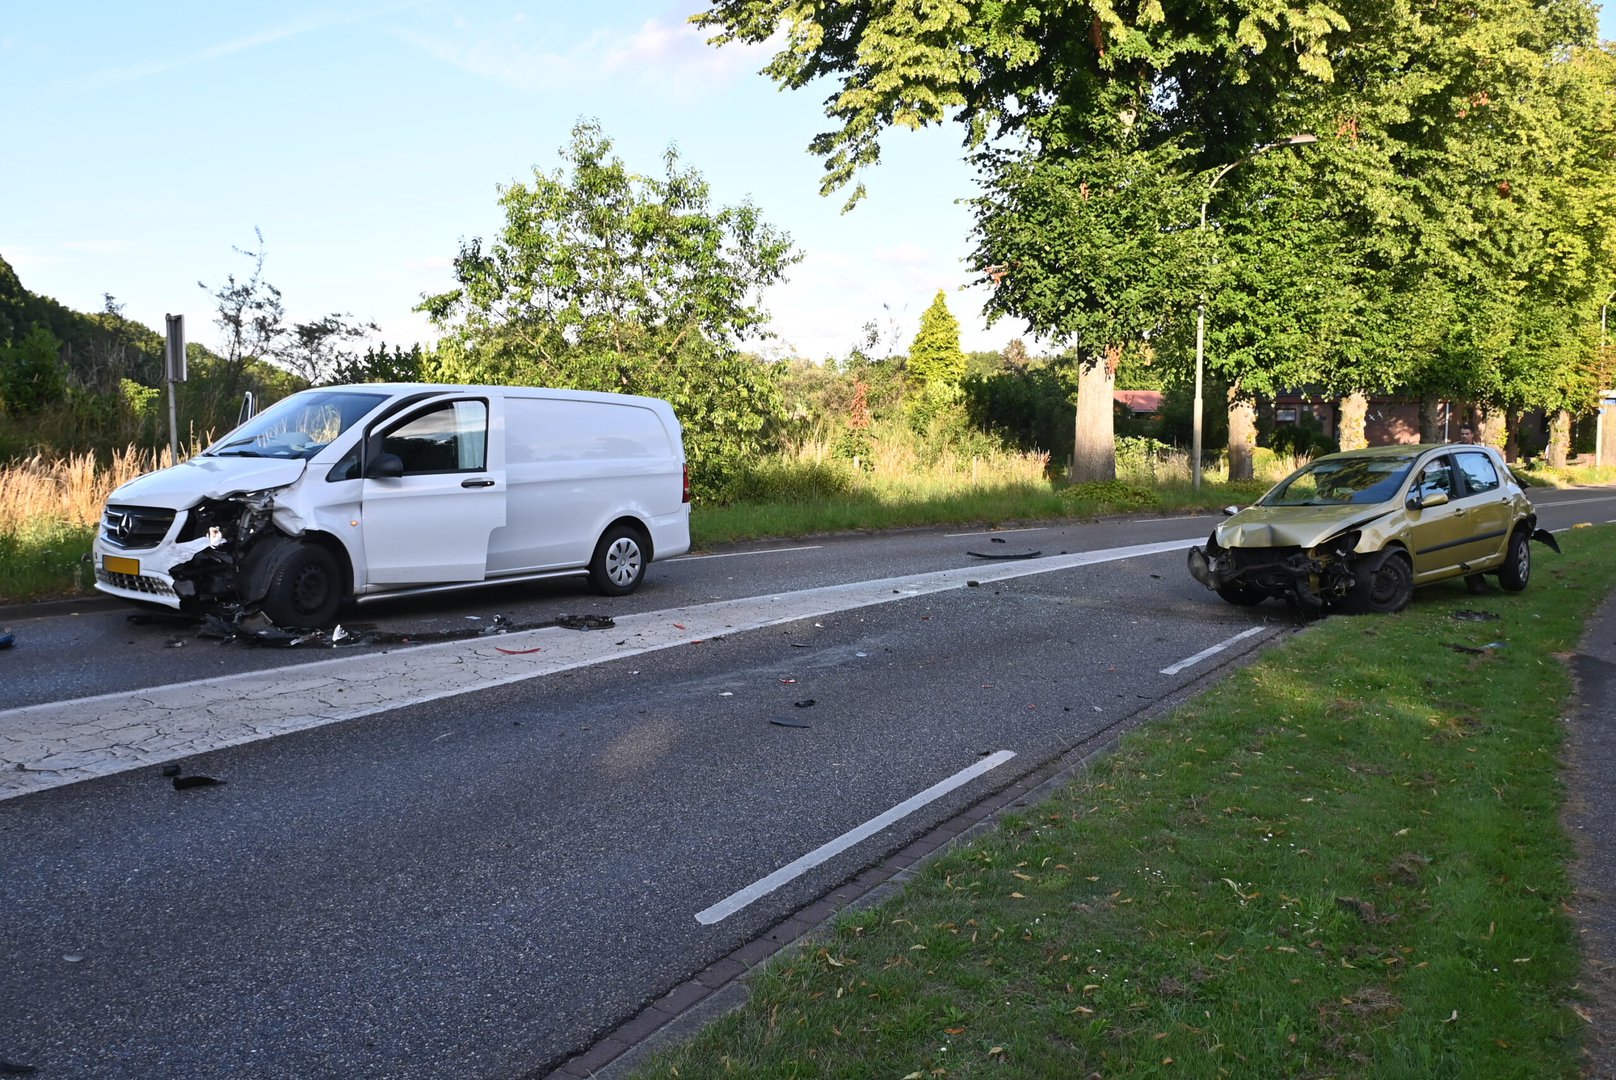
(135, 526)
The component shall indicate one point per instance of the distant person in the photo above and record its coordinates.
(1467, 434)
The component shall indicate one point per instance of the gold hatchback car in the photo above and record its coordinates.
(1357, 531)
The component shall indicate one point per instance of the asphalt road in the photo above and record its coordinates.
(481, 884)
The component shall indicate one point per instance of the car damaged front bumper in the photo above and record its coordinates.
(1313, 577)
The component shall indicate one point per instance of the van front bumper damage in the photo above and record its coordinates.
(200, 562)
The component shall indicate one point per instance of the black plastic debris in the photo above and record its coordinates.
(973, 584)
(16, 1068)
(1004, 554)
(174, 643)
(805, 703)
(586, 622)
(171, 770)
(788, 721)
(1476, 616)
(996, 540)
(7, 640)
(184, 783)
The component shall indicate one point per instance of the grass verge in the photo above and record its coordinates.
(44, 561)
(1344, 860)
(838, 512)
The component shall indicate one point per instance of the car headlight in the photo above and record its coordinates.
(1342, 545)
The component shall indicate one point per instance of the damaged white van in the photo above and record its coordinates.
(376, 490)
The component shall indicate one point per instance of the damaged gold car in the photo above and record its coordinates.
(1358, 531)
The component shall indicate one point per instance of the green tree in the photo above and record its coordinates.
(1091, 251)
(252, 318)
(31, 373)
(935, 357)
(609, 280)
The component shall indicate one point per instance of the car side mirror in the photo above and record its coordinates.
(385, 467)
(1416, 502)
(1230, 511)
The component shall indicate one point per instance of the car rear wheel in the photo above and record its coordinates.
(619, 563)
(1517, 568)
(305, 586)
(1382, 583)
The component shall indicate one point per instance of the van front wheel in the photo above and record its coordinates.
(305, 586)
(619, 563)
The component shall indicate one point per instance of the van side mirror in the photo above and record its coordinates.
(385, 467)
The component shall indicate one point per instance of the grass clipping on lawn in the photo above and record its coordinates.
(1344, 860)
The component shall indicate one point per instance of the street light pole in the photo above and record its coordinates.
(1200, 313)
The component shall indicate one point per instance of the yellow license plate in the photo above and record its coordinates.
(117, 564)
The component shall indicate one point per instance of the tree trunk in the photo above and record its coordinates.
(1512, 434)
(1490, 426)
(1094, 449)
(1430, 427)
(1242, 433)
(1559, 448)
(1354, 414)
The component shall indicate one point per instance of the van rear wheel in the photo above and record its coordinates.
(305, 586)
(619, 563)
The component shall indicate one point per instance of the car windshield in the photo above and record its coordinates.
(297, 427)
(1335, 480)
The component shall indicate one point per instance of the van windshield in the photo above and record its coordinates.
(297, 427)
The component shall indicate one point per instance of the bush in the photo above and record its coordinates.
(1110, 495)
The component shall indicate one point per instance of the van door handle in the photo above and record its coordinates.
(477, 483)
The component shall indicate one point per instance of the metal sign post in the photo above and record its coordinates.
(174, 372)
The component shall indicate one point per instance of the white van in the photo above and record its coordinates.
(375, 490)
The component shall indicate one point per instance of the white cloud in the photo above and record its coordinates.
(109, 77)
(671, 57)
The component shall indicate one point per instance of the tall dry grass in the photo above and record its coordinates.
(42, 493)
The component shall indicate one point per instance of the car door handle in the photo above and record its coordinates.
(477, 483)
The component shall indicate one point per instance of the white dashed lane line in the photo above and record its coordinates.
(1191, 661)
(764, 886)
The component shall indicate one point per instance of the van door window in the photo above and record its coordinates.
(450, 438)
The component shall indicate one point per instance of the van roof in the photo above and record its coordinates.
(513, 391)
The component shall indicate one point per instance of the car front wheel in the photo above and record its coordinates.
(1517, 568)
(1382, 583)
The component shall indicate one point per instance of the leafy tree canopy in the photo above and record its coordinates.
(609, 280)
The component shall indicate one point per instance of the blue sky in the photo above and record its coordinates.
(366, 139)
(145, 141)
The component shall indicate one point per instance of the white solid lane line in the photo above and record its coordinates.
(1190, 661)
(55, 743)
(735, 554)
(764, 886)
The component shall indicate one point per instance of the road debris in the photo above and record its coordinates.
(183, 783)
(1004, 554)
(788, 721)
(588, 622)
